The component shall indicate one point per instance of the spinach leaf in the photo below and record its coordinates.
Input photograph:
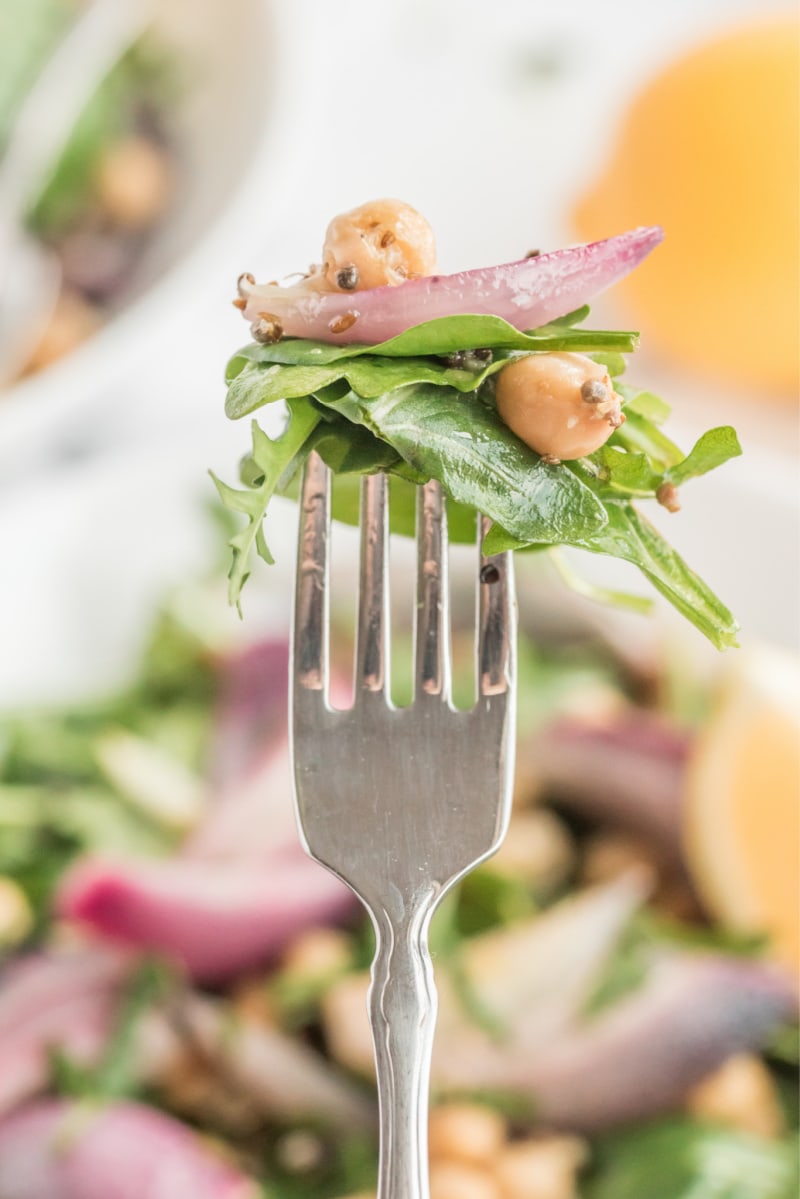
(678, 1159)
(630, 536)
(463, 443)
(260, 383)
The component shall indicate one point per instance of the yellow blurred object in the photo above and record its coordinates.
(742, 801)
(710, 149)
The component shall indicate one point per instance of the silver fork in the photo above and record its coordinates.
(400, 802)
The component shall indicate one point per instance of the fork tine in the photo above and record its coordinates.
(495, 620)
(432, 659)
(372, 663)
(310, 654)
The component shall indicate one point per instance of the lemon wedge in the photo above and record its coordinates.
(741, 815)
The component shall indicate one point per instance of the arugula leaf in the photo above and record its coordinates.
(645, 403)
(678, 1159)
(630, 536)
(709, 451)
(275, 459)
(629, 471)
(641, 433)
(478, 460)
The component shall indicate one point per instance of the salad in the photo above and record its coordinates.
(487, 380)
(114, 180)
(182, 990)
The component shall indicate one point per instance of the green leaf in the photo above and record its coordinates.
(274, 459)
(444, 335)
(260, 383)
(601, 595)
(614, 363)
(678, 1159)
(462, 442)
(641, 433)
(711, 450)
(627, 471)
(645, 404)
(630, 536)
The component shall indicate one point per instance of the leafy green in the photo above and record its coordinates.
(464, 444)
(444, 335)
(630, 536)
(370, 376)
(710, 451)
(678, 1159)
(422, 406)
(274, 459)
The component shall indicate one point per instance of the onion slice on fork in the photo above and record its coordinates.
(528, 293)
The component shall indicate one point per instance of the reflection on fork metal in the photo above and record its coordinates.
(400, 802)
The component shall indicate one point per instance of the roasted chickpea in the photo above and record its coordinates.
(459, 1180)
(562, 405)
(381, 243)
(466, 1132)
(133, 182)
(740, 1094)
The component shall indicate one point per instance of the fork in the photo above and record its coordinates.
(400, 803)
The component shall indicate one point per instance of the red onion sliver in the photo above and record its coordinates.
(57, 1150)
(527, 294)
(216, 918)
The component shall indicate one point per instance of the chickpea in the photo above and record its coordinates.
(458, 1180)
(609, 856)
(318, 953)
(740, 1094)
(380, 243)
(562, 405)
(466, 1132)
(16, 914)
(132, 182)
(541, 1169)
(538, 850)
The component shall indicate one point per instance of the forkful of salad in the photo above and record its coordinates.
(489, 405)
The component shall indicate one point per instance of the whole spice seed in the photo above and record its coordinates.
(267, 329)
(667, 496)
(594, 391)
(347, 277)
(340, 324)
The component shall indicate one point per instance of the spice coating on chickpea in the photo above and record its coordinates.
(562, 405)
(382, 243)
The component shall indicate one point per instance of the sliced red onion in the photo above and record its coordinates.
(216, 918)
(536, 974)
(252, 813)
(527, 294)
(59, 1150)
(31, 983)
(63, 1001)
(627, 770)
(286, 1078)
(250, 711)
(641, 1057)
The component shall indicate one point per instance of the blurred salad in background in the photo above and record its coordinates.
(113, 182)
(182, 992)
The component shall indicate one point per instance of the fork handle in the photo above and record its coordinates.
(402, 1008)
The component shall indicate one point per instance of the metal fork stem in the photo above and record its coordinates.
(402, 1008)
